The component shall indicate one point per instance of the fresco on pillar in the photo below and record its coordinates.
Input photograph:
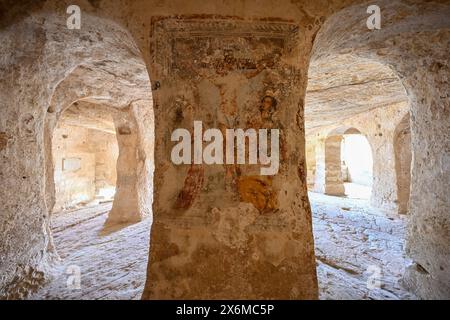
(228, 74)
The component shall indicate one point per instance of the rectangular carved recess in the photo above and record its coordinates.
(195, 48)
(171, 38)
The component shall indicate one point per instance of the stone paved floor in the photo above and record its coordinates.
(359, 250)
(112, 263)
(359, 253)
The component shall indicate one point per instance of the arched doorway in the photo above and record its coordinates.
(346, 165)
(85, 152)
(102, 155)
(421, 73)
(344, 93)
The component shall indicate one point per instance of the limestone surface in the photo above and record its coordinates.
(307, 68)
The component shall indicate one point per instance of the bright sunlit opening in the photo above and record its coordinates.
(357, 162)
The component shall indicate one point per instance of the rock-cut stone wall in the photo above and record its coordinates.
(219, 231)
(85, 165)
(390, 171)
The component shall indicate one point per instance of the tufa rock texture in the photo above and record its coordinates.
(221, 231)
(403, 44)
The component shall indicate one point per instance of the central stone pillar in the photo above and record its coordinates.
(224, 231)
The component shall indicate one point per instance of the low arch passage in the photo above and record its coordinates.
(97, 150)
(344, 92)
(99, 153)
(123, 108)
(347, 91)
(422, 69)
(220, 229)
(349, 231)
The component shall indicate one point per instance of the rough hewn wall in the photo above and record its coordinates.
(38, 52)
(96, 173)
(403, 158)
(75, 182)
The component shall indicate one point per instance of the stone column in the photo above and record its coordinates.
(133, 199)
(334, 185)
(226, 231)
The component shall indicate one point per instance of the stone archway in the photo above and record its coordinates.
(268, 63)
(84, 155)
(403, 158)
(131, 109)
(132, 127)
(353, 91)
(422, 69)
(67, 66)
(209, 224)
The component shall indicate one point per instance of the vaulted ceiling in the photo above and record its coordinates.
(344, 86)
